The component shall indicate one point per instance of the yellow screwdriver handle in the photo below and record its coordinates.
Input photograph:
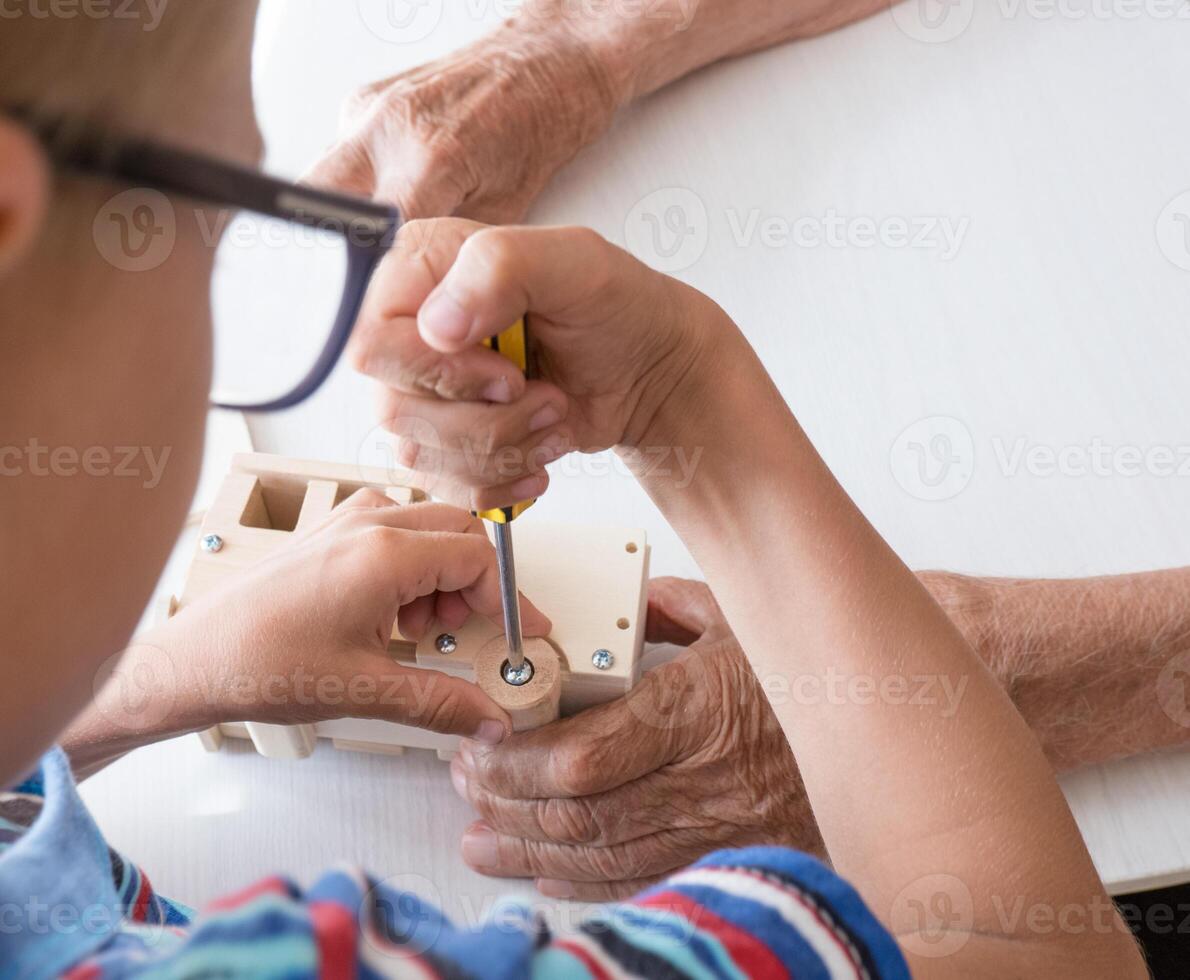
(512, 343)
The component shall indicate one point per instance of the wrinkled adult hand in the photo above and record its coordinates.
(601, 804)
(477, 133)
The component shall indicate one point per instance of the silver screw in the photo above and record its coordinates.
(212, 543)
(446, 643)
(602, 659)
(519, 677)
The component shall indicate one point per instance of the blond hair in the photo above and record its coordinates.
(142, 67)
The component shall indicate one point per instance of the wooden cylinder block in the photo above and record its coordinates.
(532, 704)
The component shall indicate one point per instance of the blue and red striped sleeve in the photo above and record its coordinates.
(759, 912)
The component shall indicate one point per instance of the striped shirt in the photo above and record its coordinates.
(71, 906)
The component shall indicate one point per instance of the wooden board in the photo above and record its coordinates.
(590, 581)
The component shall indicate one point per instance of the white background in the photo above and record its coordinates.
(1056, 142)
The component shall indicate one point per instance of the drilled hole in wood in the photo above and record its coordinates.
(622, 623)
(630, 547)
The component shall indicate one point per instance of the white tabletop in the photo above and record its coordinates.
(1049, 146)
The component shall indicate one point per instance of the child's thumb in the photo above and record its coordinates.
(433, 701)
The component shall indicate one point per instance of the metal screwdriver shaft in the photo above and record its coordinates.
(513, 344)
(509, 597)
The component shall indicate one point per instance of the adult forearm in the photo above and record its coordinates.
(647, 44)
(1095, 665)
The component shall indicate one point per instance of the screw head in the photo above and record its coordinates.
(212, 543)
(517, 678)
(602, 659)
(446, 643)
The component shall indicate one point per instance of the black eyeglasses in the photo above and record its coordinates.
(276, 271)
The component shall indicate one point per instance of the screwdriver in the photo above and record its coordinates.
(511, 343)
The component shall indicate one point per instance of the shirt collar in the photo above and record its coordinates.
(58, 902)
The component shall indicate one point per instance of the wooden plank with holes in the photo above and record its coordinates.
(590, 581)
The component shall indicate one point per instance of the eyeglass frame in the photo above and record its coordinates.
(369, 229)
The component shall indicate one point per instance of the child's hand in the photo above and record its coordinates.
(613, 340)
(304, 636)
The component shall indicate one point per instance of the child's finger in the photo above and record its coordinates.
(451, 610)
(366, 498)
(430, 700)
(423, 562)
(415, 617)
(422, 516)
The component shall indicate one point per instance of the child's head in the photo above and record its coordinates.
(104, 335)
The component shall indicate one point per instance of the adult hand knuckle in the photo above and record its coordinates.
(587, 238)
(610, 864)
(439, 376)
(566, 821)
(359, 100)
(488, 806)
(361, 351)
(494, 770)
(392, 409)
(577, 767)
(598, 254)
(487, 497)
(496, 250)
(542, 859)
